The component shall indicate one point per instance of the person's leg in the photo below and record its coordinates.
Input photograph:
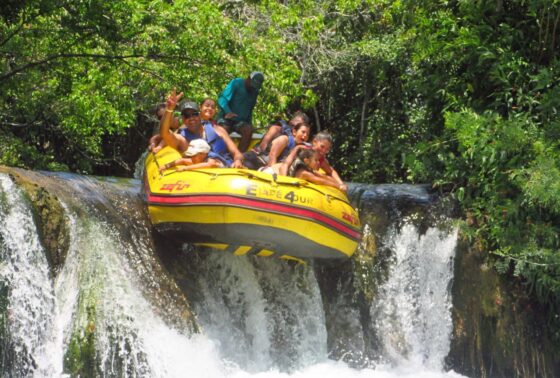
(246, 132)
(226, 124)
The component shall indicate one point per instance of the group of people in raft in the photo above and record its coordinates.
(205, 143)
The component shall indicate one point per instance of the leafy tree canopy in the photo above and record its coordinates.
(461, 94)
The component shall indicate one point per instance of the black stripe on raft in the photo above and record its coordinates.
(281, 242)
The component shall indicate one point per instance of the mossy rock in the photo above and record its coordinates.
(498, 330)
(49, 216)
(80, 358)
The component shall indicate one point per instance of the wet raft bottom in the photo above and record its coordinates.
(249, 239)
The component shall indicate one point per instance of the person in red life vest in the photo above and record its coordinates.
(321, 143)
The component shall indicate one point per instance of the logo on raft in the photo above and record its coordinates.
(350, 218)
(179, 185)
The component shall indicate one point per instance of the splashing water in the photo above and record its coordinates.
(412, 312)
(266, 315)
(28, 287)
(259, 317)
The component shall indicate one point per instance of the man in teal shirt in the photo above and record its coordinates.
(237, 102)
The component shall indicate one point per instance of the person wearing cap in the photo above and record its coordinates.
(223, 151)
(195, 157)
(236, 103)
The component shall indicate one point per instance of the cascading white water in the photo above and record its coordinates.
(25, 275)
(258, 317)
(413, 310)
(99, 289)
(264, 313)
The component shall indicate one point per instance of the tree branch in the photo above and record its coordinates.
(364, 109)
(11, 35)
(88, 56)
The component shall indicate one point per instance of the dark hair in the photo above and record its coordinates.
(208, 99)
(302, 115)
(305, 153)
(160, 106)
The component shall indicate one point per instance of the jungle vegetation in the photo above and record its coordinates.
(464, 95)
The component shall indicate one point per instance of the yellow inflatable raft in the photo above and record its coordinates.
(250, 212)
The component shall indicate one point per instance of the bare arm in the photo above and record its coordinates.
(174, 140)
(154, 141)
(181, 161)
(311, 177)
(330, 171)
(278, 145)
(290, 159)
(271, 133)
(211, 163)
(232, 148)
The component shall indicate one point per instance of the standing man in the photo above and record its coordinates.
(237, 102)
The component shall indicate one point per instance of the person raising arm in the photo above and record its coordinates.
(176, 141)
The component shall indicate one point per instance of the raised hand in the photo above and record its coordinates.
(173, 99)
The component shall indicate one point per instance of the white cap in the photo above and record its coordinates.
(197, 146)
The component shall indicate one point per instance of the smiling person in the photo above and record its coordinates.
(195, 157)
(223, 151)
(281, 127)
(208, 109)
(304, 166)
(321, 144)
(279, 149)
(236, 103)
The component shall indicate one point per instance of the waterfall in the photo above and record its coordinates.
(413, 310)
(26, 288)
(264, 313)
(117, 305)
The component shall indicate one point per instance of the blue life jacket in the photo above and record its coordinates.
(286, 127)
(218, 148)
(291, 144)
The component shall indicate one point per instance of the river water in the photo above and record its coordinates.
(257, 317)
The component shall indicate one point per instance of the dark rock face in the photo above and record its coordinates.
(498, 330)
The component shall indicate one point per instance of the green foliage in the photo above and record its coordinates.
(507, 177)
(463, 94)
(540, 180)
(76, 75)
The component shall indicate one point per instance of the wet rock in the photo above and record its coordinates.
(48, 213)
(499, 331)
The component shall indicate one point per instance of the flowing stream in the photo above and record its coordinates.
(114, 308)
